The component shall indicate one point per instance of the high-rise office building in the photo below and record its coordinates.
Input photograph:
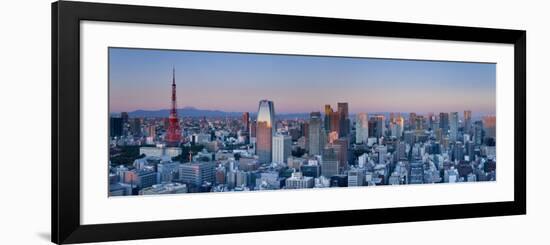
(246, 121)
(400, 124)
(328, 114)
(458, 151)
(343, 144)
(431, 120)
(467, 124)
(400, 121)
(453, 126)
(282, 147)
(489, 124)
(330, 161)
(478, 132)
(265, 129)
(315, 141)
(444, 122)
(412, 121)
(334, 122)
(400, 151)
(135, 126)
(420, 122)
(362, 128)
(439, 135)
(252, 129)
(344, 119)
(470, 150)
(115, 126)
(376, 126)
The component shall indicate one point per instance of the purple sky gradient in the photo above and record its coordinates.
(141, 78)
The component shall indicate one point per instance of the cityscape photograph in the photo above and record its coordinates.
(206, 121)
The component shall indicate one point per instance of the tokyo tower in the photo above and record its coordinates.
(173, 135)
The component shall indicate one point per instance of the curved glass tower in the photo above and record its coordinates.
(265, 129)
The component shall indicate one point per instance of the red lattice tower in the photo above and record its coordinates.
(173, 135)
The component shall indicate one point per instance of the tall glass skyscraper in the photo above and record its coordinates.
(444, 122)
(453, 126)
(265, 129)
(315, 135)
(362, 128)
(344, 119)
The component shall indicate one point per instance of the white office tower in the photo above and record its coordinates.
(281, 148)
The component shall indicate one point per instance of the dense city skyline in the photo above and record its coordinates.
(330, 147)
(138, 78)
(324, 151)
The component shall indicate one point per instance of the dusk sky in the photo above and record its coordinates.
(236, 82)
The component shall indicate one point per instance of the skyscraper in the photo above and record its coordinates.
(362, 128)
(135, 127)
(265, 129)
(489, 124)
(444, 122)
(478, 132)
(328, 114)
(399, 126)
(453, 126)
(330, 161)
(412, 121)
(334, 122)
(246, 121)
(115, 126)
(376, 126)
(467, 122)
(458, 151)
(315, 139)
(343, 144)
(344, 119)
(281, 148)
(253, 129)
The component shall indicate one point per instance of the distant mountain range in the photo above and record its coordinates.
(194, 112)
(182, 112)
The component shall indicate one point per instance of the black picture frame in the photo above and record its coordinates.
(65, 223)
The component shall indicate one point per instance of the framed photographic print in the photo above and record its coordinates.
(177, 122)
